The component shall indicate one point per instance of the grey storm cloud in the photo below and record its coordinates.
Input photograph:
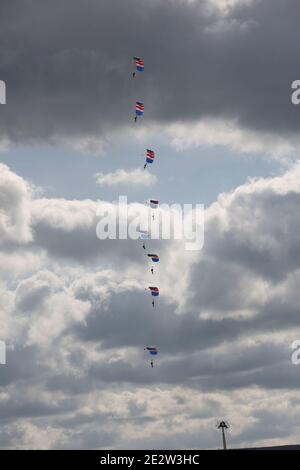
(176, 333)
(73, 309)
(76, 335)
(79, 242)
(68, 71)
(212, 370)
(23, 365)
(36, 408)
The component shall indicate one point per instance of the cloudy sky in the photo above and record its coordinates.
(73, 310)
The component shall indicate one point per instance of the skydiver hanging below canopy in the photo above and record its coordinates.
(154, 292)
(154, 204)
(150, 155)
(139, 65)
(152, 352)
(139, 110)
(144, 235)
(155, 259)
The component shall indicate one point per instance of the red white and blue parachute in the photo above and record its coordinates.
(139, 108)
(139, 64)
(144, 234)
(154, 203)
(154, 291)
(152, 350)
(150, 155)
(154, 258)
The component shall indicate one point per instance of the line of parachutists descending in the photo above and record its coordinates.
(153, 204)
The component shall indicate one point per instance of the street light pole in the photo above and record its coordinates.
(223, 425)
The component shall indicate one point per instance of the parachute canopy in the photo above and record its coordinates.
(155, 258)
(150, 155)
(139, 108)
(152, 350)
(144, 234)
(139, 64)
(154, 291)
(154, 203)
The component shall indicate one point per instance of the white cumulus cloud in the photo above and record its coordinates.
(135, 177)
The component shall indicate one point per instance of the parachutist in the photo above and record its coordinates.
(152, 351)
(139, 65)
(152, 270)
(153, 303)
(139, 109)
(145, 166)
(135, 118)
(150, 156)
(133, 74)
(154, 292)
(144, 246)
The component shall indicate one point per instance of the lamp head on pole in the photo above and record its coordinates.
(223, 425)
